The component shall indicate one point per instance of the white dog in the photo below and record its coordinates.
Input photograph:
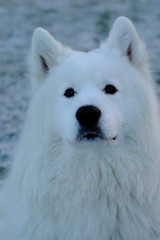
(88, 163)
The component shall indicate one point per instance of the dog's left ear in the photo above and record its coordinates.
(125, 39)
(45, 53)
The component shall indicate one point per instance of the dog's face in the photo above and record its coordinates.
(90, 97)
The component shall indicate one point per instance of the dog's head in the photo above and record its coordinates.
(95, 96)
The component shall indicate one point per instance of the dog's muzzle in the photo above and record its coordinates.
(88, 118)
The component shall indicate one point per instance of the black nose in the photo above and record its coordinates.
(88, 115)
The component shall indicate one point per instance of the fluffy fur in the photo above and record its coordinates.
(61, 188)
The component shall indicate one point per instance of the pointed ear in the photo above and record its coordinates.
(124, 37)
(45, 52)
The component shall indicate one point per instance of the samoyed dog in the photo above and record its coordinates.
(88, 163)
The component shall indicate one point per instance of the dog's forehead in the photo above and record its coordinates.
(87, 60)
(97, 67)
(94, 64)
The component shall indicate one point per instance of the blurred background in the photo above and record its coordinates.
(81, 24)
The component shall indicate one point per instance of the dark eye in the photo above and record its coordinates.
(69, 92)
(110, 89)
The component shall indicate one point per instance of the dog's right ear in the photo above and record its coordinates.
(45, 52)
(124, 38)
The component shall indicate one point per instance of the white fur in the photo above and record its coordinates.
(63, 189)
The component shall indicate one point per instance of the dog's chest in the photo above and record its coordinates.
(93, 203)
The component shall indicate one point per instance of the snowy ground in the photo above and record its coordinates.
(80, 24)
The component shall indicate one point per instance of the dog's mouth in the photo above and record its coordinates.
(90, 134)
